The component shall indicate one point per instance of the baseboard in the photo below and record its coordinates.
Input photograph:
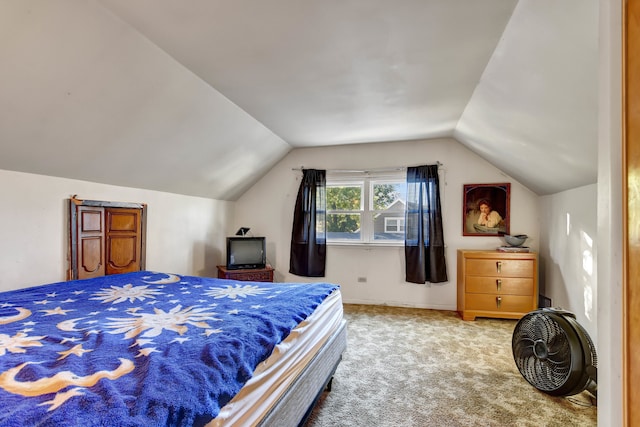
(445, 307)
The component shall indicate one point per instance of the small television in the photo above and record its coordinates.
(246, 252)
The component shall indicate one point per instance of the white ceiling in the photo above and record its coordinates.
(202, 97)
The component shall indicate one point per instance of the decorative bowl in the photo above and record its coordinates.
(516, 240)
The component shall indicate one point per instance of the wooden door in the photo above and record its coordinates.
(105, 238)
(90, 242)
(631, 191)
(123, 240)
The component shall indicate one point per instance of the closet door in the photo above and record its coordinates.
(105, 238)
(123, 240)
(90, 242)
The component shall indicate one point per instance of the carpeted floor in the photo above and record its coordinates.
(415, 367)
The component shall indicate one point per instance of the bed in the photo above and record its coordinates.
(155, 349)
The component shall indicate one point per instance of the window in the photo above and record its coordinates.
(345, 208)
(394, 225)
(366, 208)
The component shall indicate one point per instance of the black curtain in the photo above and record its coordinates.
(308, 237)
(424, 240)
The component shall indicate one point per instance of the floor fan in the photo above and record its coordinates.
(554, 353)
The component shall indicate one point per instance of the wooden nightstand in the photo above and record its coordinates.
(247, 275)
(497, 284)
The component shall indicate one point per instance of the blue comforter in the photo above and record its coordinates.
(139, 349)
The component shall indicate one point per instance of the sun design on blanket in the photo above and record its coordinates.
(16, 343)
(235, 292)
(127, 292)
(154, 323)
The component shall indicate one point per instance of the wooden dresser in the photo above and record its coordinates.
(247, 275)
(497, 284)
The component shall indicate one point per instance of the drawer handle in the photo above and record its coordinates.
(498, 301)
(499, 284)
(499, 266)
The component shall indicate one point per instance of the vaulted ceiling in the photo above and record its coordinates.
(202, 97)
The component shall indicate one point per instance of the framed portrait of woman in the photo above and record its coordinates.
(485, 209)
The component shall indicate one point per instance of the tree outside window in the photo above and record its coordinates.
(344, 211)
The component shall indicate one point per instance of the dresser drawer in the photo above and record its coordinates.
(499, 267)
(258, 276)
(500, 285)
(499, 303)
(247, 275)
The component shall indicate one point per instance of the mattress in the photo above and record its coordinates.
(274, 376)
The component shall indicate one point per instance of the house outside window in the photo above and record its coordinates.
(366, 208)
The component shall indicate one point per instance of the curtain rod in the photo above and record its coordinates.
(399, 168)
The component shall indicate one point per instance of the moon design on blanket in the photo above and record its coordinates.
(23, 313)
(58, 381)
(69, 325)
(172, 278)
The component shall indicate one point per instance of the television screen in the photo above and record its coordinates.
(246, 252)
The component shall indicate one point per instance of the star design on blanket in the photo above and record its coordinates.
(154, 323)
(147, 351)
(238, 291)
(129, 292)
(76, 350)
(140, 342)
(57, 310)
(62, 397)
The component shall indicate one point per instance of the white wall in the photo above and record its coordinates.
(568, 253)
(268, 209)
(184, 234)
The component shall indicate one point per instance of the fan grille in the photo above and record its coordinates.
(591, 346)
(542, 352)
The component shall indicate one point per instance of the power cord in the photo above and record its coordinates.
(585, 404)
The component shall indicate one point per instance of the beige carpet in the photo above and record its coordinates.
(414, 367)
